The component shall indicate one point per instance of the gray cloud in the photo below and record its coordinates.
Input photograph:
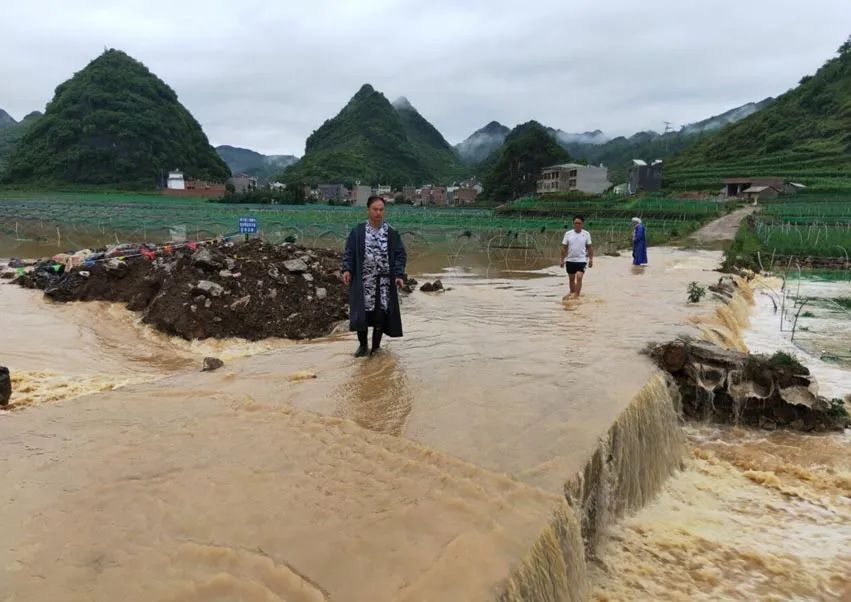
(264, 75)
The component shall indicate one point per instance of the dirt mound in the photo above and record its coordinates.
(252, 290)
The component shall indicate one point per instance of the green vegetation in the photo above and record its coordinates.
(113, 124)
(429, 145)
(11, 135)
(695, 292)
(371, 142)
(803, 136)
(513, 170)
(293, 195)
(837, 408)
(744, 252)
(797, 227)
(59, 221)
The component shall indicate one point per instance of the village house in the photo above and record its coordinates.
(464, 196)
(643, 177)
(242, 183)
(359, 195)
(178, 186)
(760, 193)
(175, 180)
(568, 177)
(409, 194)
(736, 187)
(333, 192)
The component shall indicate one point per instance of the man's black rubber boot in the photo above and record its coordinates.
(362, 351)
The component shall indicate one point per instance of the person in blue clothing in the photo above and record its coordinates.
(639, 242)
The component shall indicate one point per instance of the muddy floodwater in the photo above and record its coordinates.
(433, 471)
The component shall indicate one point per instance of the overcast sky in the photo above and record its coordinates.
(264, 75)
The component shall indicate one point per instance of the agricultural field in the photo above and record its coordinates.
(72, 221)
(810, 229)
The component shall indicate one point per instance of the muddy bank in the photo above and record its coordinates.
(732, 387)
(253, 290)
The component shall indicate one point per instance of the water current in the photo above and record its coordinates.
(485, 455)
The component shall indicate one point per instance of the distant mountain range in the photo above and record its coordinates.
(263, 167)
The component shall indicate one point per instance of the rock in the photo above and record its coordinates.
(7, 275)
(84, 273)
(211, 288)
(432, 287)
(5, 386)
(208, 303)
(308, 277)
(734, 387)
(205, 259)
(212, 363)
(321, 293)
(295, 266)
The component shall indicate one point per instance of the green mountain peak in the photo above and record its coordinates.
(113, 123)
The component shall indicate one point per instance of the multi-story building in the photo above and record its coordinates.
(643, 177)
(567, 177)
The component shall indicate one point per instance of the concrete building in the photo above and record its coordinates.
(567, 177)
(735, 187)
(360, 195)
(242, 182)
(333, 192)
(409, 194)
(383, 191)
(175, 180)
(760, 193)
(643, 177)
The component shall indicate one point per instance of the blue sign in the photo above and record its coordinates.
(248, 225)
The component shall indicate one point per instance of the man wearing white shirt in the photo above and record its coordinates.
(576, 254)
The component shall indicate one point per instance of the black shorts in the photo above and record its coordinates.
(574, 266)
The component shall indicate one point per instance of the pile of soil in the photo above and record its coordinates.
(252, 290)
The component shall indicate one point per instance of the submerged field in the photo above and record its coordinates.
(41, 223)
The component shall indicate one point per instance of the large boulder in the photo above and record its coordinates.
(5, 386)
(757, 390)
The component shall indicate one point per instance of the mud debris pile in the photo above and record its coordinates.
(252, 290)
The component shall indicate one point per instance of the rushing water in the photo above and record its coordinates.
(755, 515)
(437, 470)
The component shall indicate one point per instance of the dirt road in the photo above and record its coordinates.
(723, 229)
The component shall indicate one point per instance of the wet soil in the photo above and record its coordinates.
(253, 290)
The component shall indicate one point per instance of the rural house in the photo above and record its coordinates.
(643, 177)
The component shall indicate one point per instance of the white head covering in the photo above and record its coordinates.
(636, 220)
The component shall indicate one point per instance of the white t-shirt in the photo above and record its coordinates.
(576, 242)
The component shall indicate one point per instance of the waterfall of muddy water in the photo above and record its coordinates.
(754, 516)
(435, 470)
